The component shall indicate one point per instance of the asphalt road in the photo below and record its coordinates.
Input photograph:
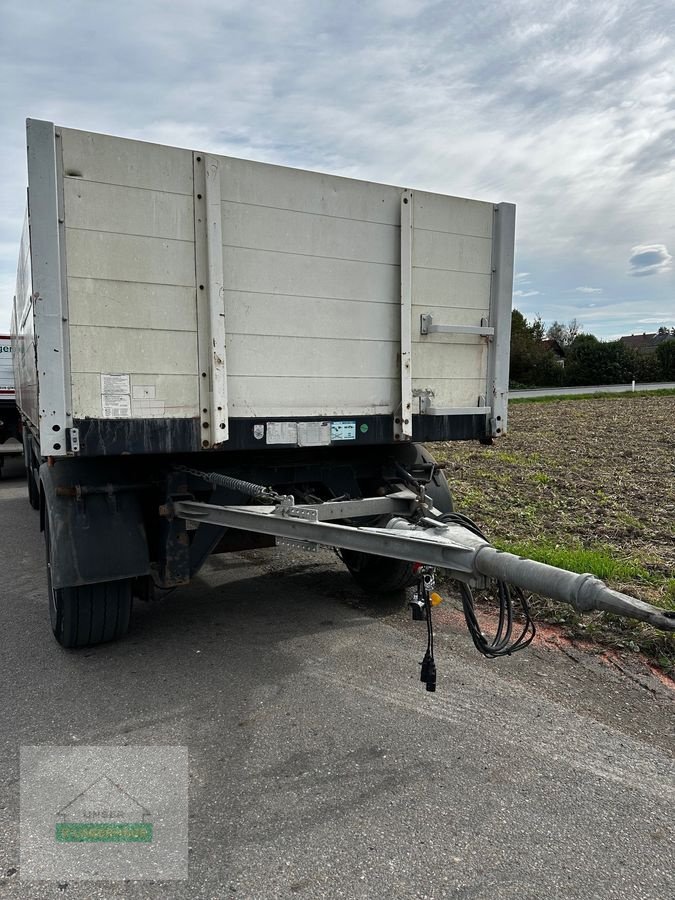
(592, 389)
(318, 765)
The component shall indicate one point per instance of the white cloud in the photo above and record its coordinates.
(588, 290)
(649, 259)
(566, 111)
(525, 293)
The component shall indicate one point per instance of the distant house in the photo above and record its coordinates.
(555, 348)
(646, 343)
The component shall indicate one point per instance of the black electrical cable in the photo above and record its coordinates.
(501, 644)
(428, 671)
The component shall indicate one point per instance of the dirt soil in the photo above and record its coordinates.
(591, 473)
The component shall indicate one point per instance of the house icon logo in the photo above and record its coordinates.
(104, 813)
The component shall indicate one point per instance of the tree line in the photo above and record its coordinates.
(587, 360)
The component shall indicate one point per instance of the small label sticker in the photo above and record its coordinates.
(343, 431)
(115, 384)
(258, 431)
(116, 406)
(115, 396)
(282, 433)
(314, 434)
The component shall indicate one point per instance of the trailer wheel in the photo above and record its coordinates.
(87, 614)
(438, 488)
(380, 574)
(31, 471)
(33, 490)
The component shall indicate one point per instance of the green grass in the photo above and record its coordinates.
(601, 560)
(504, 457)
(604, 395)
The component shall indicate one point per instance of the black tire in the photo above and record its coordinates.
(33, 489)
(438, 488)
(380, 574)
(88, 614)
(31, 471)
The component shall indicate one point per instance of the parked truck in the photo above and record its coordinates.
(10, 423)
(213, 354)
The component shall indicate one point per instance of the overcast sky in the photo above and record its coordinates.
(566, 109)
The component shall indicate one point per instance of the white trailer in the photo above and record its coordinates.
(187, 323)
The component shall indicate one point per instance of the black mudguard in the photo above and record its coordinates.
(95, 537)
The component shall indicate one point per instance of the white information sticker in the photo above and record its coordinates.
(282, 433)
(115, 384)
(116, 406)
(314, 434)
(115, 396)
(343, 431)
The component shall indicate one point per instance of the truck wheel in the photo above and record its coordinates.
(88, 614)
(380, 574)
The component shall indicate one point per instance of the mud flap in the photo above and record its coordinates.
(94, 537)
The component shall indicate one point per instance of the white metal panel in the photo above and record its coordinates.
(317, 317)
(452, 252)
(321, 255)
(177, 394)
(129, 304)
(287, 231)
(270, 272)
(310, 358)
(94, 206)
(124, 350)
(270, 397)
(122, 257)
(111, 160)
(311, 280)
(23, 335)
(436, 212)
(438, 289)
(279, 187)
(456, 392)
(448, 360)
(50, 308)
(129, 213)
(452, 282)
